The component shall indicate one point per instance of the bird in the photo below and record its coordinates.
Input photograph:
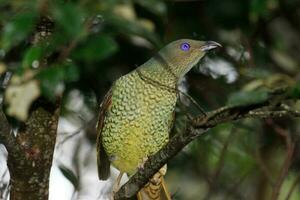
(137, 113)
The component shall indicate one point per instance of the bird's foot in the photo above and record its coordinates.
(111, 197)
(116, 186)
(156, 179)
(163, 170)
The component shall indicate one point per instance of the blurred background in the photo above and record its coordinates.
(99, 41)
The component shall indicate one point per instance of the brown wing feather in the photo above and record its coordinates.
(102, 158)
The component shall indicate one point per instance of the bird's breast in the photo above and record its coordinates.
(138, 122)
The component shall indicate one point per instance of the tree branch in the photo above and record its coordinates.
(30, 165)
(30, 153)
(6, 136)
(199, 125)
(5, 130)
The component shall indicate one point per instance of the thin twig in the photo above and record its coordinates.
(237, 183)
(265, 170)
(290, 146)
(220, 164)
(69, 136)
(67, 50)
(192, 100)
(293, 187)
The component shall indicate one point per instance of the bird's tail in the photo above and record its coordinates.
(156, 188)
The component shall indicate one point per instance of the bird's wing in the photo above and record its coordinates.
(102, 158)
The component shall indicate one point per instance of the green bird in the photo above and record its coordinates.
(137, 113)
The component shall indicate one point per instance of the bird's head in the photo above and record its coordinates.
(181, 55)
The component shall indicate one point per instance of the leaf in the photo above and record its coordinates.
(258, 6)
(155, 6)
(16, 30)
(247, 97)
(261, 8)
(31, 55)
(53, 79)
(285, 61)
(131, 27)
(50, 79)
(96, 48)
(71, 72)
(256, 72)
(70, 175)
(126, 11)
(295, 91)
(69, 19)
(3, 68)
(20, 94)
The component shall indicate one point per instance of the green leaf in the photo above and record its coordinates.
(32, 55)
(131, 27)
(96, 48)
(155, 6)
(256, 73)
(71, 72)
(261, 8)
(18, 29)
(69, 19)
(258, 6)
(247, 97)
(52, 79)
(295, 91)
(70, 175)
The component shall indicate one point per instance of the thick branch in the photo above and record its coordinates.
(6, 136)
(30, 159)
(29, 164)
(5, 130)
(197, 127)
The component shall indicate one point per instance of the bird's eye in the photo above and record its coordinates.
(185, 46)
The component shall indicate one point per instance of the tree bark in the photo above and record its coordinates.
(30, 166)
(30, 153)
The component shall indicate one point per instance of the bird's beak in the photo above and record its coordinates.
(209, 45)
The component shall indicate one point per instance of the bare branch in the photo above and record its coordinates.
(220, 165)
(290, 146)
(293, 187)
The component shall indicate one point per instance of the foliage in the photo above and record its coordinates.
(89, 44)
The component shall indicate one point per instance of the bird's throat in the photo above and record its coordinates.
(158, 72)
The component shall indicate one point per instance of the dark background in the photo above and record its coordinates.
(89, 44)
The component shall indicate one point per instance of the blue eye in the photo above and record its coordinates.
(185, 46)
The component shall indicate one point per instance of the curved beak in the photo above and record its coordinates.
(209, 45)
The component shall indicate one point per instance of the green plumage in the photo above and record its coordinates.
(137, 114)
(138, 121)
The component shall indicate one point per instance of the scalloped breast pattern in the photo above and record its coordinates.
(138, 122)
